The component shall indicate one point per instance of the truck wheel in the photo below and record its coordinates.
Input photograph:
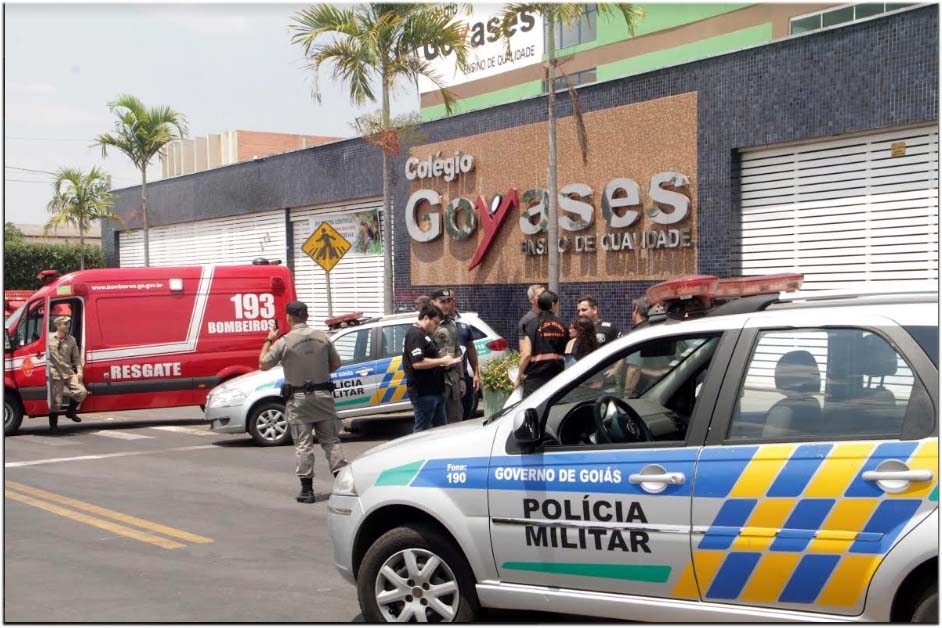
(412, 573)
(268, 424)
(12, 414)
(927, 608)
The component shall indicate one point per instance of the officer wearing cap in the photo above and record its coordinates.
(543, 348)
(450, 337)
(308, 358)
(65, 373)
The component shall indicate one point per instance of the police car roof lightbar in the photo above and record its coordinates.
(710, 287)
(344, 320)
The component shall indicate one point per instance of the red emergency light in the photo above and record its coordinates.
(760, 284)
(683, 288)
(344, 320)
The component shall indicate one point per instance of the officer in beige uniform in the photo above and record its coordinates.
(446, 337)
(65, 373)
(308, 359)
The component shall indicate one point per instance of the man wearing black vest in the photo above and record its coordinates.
(543, 347)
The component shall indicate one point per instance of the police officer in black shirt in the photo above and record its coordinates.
(543, 348)
(425, 372)
(604, 331)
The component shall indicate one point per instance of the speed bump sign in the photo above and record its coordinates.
(326, 246)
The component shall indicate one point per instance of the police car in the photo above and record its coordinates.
(771, 459)
(370, 381)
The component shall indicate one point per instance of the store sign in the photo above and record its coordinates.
(621, 206)
(488, 54)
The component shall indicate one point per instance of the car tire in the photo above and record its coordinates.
(447, 593)
(927, 608)
(12, 414)
(268, 424)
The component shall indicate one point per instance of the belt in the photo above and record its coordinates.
(542, 357)
(309, 388)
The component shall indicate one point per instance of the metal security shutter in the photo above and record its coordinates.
(230, 240)
(845, 210)
(356, 282)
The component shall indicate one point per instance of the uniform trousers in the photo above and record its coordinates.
(71, 388)
(309, 416)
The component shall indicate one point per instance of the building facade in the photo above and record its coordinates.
(815, 153)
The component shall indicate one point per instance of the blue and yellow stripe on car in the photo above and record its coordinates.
(392, 387)
(798, 524)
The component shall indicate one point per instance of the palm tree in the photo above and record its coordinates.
(373, 43)
(567, 15)
(140, 133)
(79, 199)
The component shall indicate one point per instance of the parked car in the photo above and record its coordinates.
(370, 381)
(778, 464)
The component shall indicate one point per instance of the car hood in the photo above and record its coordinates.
(427, 440)
(255, 380)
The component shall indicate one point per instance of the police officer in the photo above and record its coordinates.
(451, 336)
(308, 359)
(65, 373)
(542, 350)
(533, 292)
(604, 331)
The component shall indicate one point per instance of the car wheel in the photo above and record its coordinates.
(412, 573)
(927, 608)
(12, 414)
(268, 424)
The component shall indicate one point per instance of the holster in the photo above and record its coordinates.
(308, 388)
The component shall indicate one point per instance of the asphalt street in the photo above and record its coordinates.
(148, 516)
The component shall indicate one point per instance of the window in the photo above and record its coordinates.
(394, 338)
(650, 391)
(842, 15)
(576, 78)
(581, 32)
(353, 346)
(30, 328)
(803, 384)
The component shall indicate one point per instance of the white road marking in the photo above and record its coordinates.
(120, 435)
(30, 463)
(183, 430)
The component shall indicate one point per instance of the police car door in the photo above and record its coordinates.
(579, 513)
(789, 509)
(358, 375)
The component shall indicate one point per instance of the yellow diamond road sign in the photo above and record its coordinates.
(326, 246)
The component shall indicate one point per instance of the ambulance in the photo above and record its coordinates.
(156, 337)
(773, 458)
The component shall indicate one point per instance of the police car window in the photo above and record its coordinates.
(827, 383)
(393, 338)
(659, 380)
(353, 346)
(476, 334)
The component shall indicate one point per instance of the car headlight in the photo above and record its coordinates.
(225, 397)
(343, 483)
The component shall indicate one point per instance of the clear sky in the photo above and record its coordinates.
(224, 66)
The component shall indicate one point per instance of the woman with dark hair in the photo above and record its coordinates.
(582, 339)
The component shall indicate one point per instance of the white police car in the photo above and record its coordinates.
(779, 464)
(370, 381)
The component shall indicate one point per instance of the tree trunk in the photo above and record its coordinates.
(144, 210)
(552, 222)
(81, 244)
(387, 209)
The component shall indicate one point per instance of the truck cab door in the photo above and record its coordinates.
(26, 363)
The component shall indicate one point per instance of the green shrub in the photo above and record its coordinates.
(22, 261)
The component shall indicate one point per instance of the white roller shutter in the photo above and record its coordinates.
(356, 282)
(844, 210)
(230, 240)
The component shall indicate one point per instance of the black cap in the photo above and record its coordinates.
(442, 293)
(546, 300)
(297, 309)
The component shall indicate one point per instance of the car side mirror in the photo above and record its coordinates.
(527, 427)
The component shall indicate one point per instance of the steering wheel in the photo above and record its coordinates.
(618, 422)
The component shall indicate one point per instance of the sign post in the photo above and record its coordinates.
(326, 247)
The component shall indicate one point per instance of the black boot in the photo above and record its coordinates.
(53, 422)
(70, 411)
(307, 491)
